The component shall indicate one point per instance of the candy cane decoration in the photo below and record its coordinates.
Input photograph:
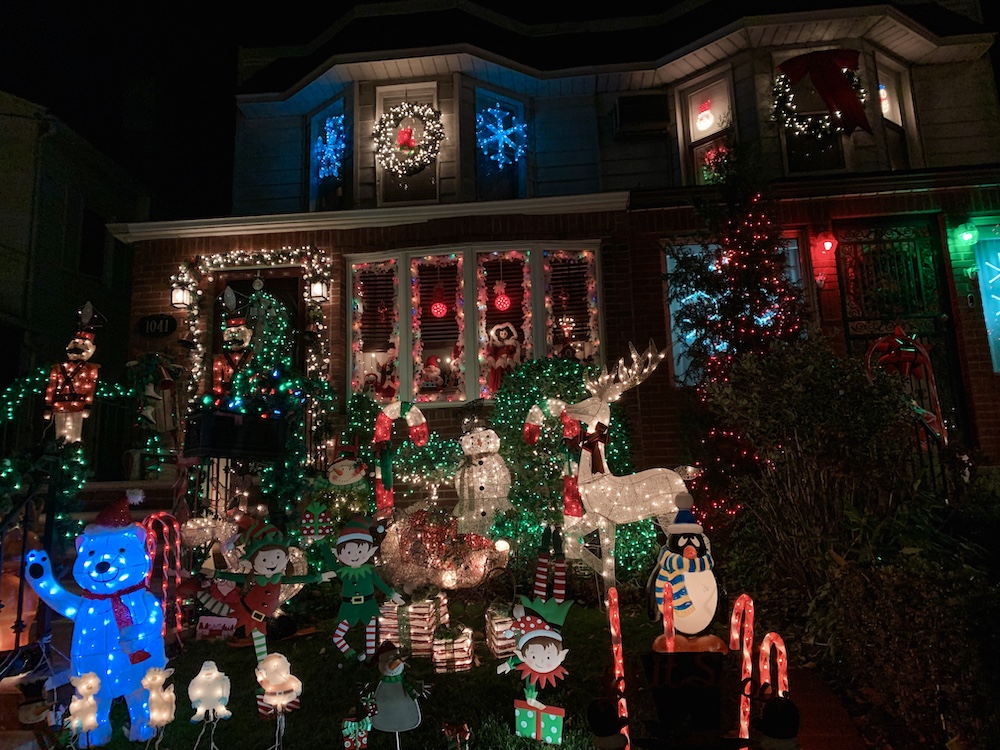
(419, 433)
(169, 528)
(668, 616)
(743, 617)
(614, 619)
(780, 663)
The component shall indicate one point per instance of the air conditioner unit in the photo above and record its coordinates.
(642, 114)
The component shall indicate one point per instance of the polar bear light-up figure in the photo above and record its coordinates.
(117, 623)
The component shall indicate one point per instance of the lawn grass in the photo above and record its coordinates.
(480, 697)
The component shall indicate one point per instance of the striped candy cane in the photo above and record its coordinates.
(169, 530)
(668, 616)
(614, 620)
(419, 433)
(742, 619)
(780, 664)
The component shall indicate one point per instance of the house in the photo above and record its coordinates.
(436, 191)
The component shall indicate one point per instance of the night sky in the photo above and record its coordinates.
(153, 84)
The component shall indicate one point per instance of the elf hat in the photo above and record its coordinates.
(256, 534)
(533, 626)
(358, 529)
(684, 521)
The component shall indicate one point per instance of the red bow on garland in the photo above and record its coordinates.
(826, 71)
(590, 443)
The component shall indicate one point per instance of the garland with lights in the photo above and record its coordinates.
(816, 127)
(536, 470)
(400, 150)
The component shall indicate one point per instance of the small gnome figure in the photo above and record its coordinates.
(70, 392)
(778, 724)
(395, 696)
(685, 562)
(355, 548)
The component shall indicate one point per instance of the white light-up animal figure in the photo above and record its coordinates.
(83, 705)
(209, 694)
(609, 500)
(281, 688)
(162, 700)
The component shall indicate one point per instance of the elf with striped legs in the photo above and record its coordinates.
(355, 548)
(252, 598)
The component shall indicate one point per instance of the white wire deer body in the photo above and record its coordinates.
(610, 500)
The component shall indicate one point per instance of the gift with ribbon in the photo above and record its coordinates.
(452, 649)
(411, 626)
(499, 622)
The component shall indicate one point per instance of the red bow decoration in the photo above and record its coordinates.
(590, 443)
(826, 71)
(405, 139)
(898, 353)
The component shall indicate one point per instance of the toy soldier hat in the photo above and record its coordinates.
(684, 521)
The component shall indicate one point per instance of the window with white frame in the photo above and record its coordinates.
(705, 118)
(987, 253)
(421, 187)
(472, 315)
(894, 104)
(501, 147)
(329, 161)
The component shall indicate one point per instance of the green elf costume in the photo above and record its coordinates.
(359, 579)
(539, 654)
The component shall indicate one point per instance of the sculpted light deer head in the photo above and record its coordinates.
(607, 387)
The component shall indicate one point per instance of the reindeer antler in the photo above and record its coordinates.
(610, 386)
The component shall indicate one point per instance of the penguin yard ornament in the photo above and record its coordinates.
(685, 562)
(396, 704)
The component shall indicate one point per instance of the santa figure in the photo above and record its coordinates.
(70, 392)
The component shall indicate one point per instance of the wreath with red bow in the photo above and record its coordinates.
(408, 138)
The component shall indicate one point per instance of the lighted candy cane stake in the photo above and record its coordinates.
(743, 616)
(780, 663)
(616, 647)
(167, 524)
(668, 616)
(419, 434)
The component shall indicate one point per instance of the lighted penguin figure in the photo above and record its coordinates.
(685, 562)
(117, 622)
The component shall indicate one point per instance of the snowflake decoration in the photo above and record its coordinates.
(331, 147)
(501, 142)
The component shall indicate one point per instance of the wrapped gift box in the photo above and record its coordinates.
(543, 724)
(498, 622)
(411, 626)
(452, 649)
(212, 628)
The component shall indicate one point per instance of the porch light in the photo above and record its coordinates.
(827, 242)
(966, 234)
(181, 297)
(319, 291)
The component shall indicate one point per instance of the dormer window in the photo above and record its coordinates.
(894, 105)
(706, 119)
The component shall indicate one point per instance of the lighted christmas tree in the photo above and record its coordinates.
(731, 295)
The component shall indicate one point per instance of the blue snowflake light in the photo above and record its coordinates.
(331, 147)
(501, 135)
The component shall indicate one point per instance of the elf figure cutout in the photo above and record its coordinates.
(538, 623)
(355, 548)
(253, 597)
(685, 562)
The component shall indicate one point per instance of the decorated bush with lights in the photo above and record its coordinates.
(537, 471)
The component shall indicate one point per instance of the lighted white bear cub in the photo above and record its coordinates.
(117, 631)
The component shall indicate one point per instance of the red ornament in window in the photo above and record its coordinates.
(439, 308)
(500, 299)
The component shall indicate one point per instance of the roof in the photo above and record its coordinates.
(536, 37)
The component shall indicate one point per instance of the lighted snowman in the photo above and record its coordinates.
(482, 481)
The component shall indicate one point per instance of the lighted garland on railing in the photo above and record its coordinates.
(399, 147)
(816, 127)
(32, 384)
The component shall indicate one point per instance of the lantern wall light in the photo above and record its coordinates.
(319, 291)
(181, 297)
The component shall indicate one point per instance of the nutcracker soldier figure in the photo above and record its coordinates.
(236, 350)
(70, 392)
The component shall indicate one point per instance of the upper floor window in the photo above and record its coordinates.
(818, 98)
(471, 316)
(412, 131)
(706, 119)
(501, 147)
(330, 157)
(894, 104)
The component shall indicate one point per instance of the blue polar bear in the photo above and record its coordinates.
(118, 623)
